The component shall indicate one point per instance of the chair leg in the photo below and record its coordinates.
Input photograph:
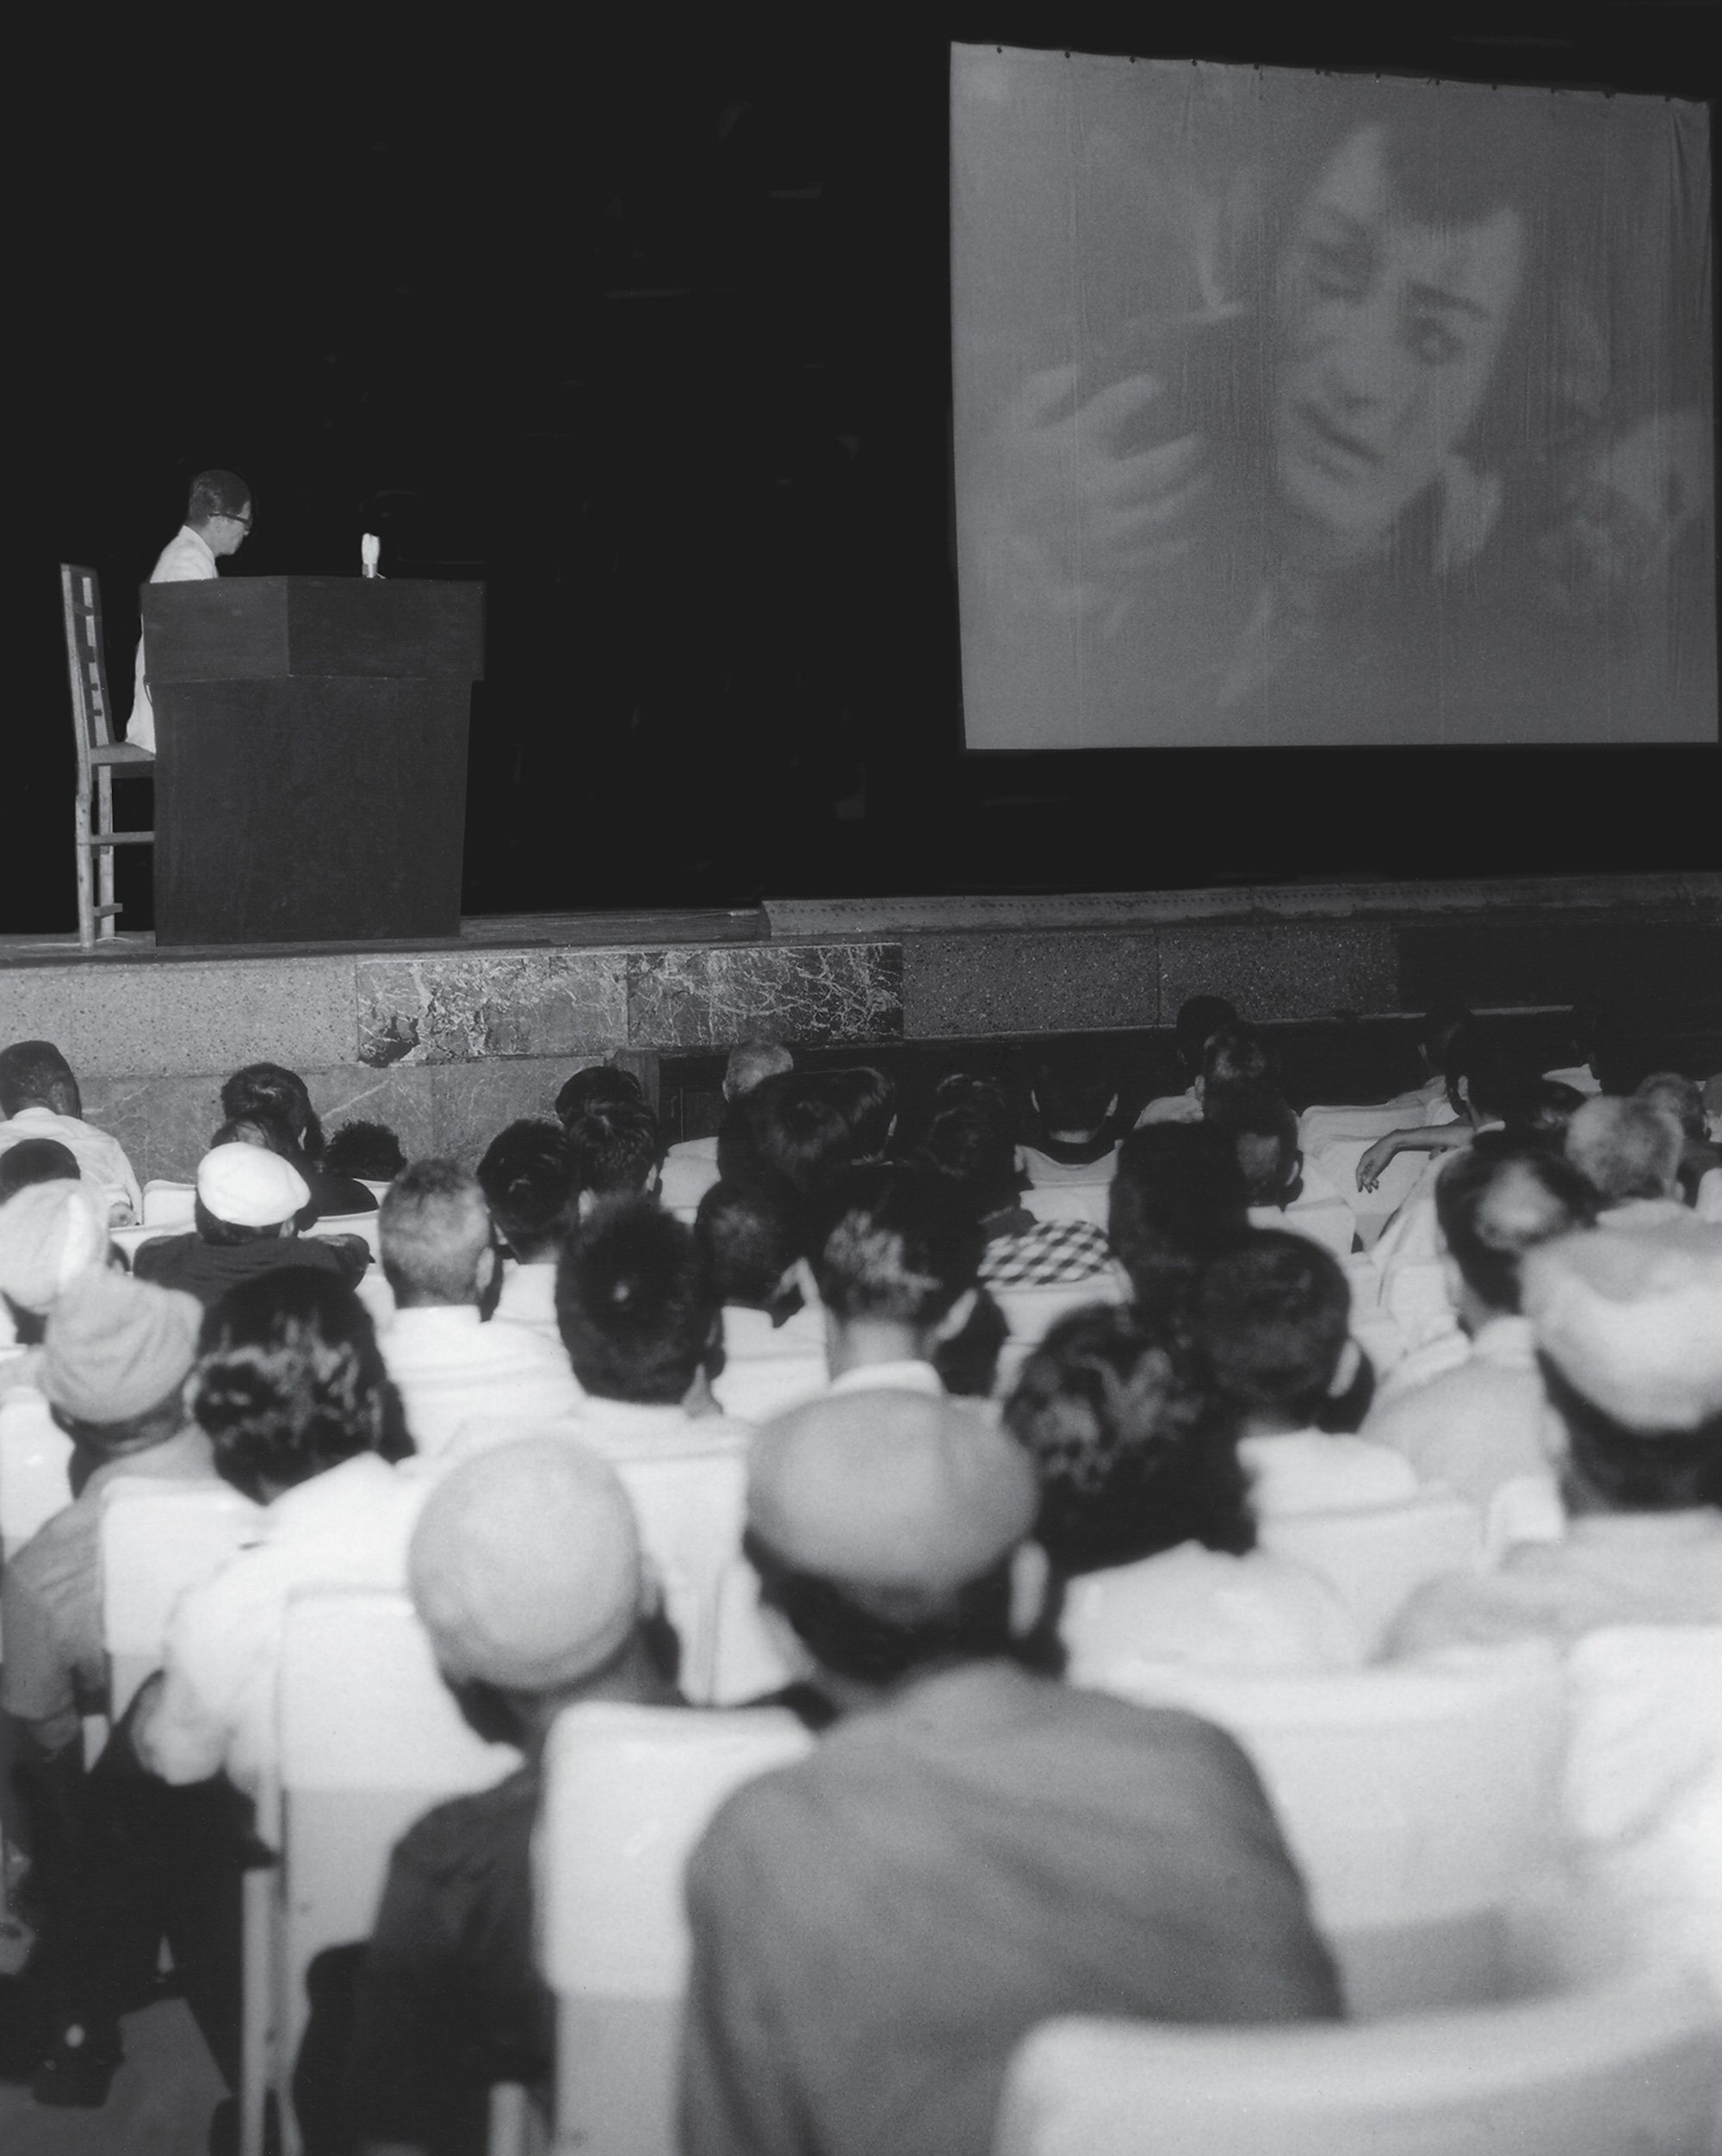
(86, 897)
(257, 2005)
(104, 783)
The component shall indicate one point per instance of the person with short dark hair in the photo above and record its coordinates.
(598, 1086)
(1073, 1099)
(1481, 1424)
(1270, 1318)
(40, 1098)
(368, 1152)
(451, 1364)
(1263, 1132)
(1238, 1055)
(1684, 1098)
(1485, 1074)
(618, 1147)
(530, 1178)
(984, 1847)
(970, 1147)
(774, 1336)
(273, 1087)
(245, 1223)
(788, 1137)
(691, 1167)
(218, 516)
(638, 1318)
(1178, 1197)
(1627, 1323)
(1145, 1515)
(866, 1098)
(36, 1160)
(1199, 1017)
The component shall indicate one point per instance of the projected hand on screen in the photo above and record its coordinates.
(1088, 517)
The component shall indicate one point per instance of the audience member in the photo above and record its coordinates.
(1237, 1054)
(1263, 1133)
(991, 1847)
(525, 1568)
(691, 1167)
(1198, 1019)
(1144, 1514)
(271, 1086)
(866, 1098)
(40, 1098)
(970, 1147)
(370, 1152)
(1629, 1152)
(450, 1364)
(599, 1085)
(1684, 1098)
(1436, 1032)
(49, 1235)
(1073, 1098)
(36, 1160)
(1486, 1073)
(1179, 1196)
(787, 1138)
(617, 1148)
(245, 1211)
(530, 1179)
(774, 1336)
(1270, 1318)
(1628, 1331)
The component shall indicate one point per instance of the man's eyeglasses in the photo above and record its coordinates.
(244, 523)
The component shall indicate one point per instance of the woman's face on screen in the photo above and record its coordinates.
(1390, 328)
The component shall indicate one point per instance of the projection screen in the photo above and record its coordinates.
(1304, 409)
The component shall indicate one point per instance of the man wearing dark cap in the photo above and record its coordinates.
(974, 1847)
(218, 522)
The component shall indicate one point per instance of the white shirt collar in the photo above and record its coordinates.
(198, 541)
(914, 1376)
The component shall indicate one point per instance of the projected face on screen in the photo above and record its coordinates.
(1392, 329)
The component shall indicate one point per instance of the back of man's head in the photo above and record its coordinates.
(530, 1179)
(634, 1307)
(1434, 1034)
(369, 1151)
(1239, 1054)
(1073, 1091)
(617, 1146)
(746, 1242)
(283, 1092)
(1682, 1096)
(885, 1527)
(1178, 1195)
(1499, 1196)
(1487, 1069)
(970, 1147)
(1199, 1017)
(749, 1062)
(866, 1098)
(36, 1160)
(35, 1075)
(1625, 1148)
(434, 1229)
(791, 1133)
(1271, 1317)
(899, 1248)
(598, 1085)
(1263, 1133)
(216, 492)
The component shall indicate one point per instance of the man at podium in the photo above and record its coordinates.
(218, 517)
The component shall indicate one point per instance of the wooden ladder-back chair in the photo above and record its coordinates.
(98, 755)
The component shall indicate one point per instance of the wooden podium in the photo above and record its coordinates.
(311, 756)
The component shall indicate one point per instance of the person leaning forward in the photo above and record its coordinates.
(218, 522)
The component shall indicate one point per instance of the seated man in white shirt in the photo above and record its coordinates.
(1073, 1098)
(440, 1259)
(1145, 1515)
(691, 1168)
(1198, 1019)
(40, 1098)
(218, 522)
(773, 1335)
(1629, 1152)
(531, 1182)
(1270, 1318)
(617, 1151)
(1284, 1190)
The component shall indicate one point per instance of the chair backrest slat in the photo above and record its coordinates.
(86, 661)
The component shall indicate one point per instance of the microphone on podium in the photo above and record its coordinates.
(370, 550)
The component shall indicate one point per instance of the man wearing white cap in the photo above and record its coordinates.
(247, 1198)
(975, 1847)
(1627, 1324)
(525, 1568)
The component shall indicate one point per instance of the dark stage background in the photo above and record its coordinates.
(647, 326)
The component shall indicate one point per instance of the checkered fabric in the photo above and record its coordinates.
(1048, 1255)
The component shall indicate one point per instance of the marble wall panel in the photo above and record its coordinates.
(1281, 971)
(464, 1006)
(165, 1123)
(1028, 982)
(711, 997)
(176, 1017)
(473, 1101)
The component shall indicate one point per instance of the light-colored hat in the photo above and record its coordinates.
(249, 1187)
(890, 1490)
(1633, 1319)
(526, 1565)
(49, 1235)
(116, 1346)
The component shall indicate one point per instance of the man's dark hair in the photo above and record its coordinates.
(258, 1123)
(369, 1152)
(530, 1179)
(1074, 1089)
(289, 1382)
(790, 1134)
(1132, 1455)
(1439, 1024)
(35, 1075)
(876, 1636)
(1682, 1096)
(898, 1248)
(1239, 1054)
(866, 1098)
(1630, 1471)
(1270, 1318)
(615, 1146)
(746, 1242)
(1497, 1065)
(1198, 1017)
(217, 493)
(1178, 1196)
(36, 1160)
(971, 1149)
(1539, 1106)
(1498, 1198)
(1262, 1131)
(634, 1305)
(600, 1085)
(272, 1086)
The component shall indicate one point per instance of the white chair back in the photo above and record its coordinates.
(1420, 1801)
(1379, 1557)
(629, 1791)
(35, 1455)
(1032, 1312)
(1069, 1201)
(690, 1509)
(370, 1740)
(168, 1204)
(157, 1539)
(1328, 1221)
(1633, 2062)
